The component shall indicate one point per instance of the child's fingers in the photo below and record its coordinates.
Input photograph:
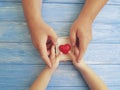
(52, 54)
(72, 56)
(58, 56)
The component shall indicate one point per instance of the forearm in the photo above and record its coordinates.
(32, 11)
(91, 9)
(43, 79)
(93, 81)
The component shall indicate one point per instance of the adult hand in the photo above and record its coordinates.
(81, 35)
(73, 56)
(43, 37)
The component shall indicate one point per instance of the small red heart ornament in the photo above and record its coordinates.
(65, 48)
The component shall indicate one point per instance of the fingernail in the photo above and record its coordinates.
(68, 51)
(61, 53)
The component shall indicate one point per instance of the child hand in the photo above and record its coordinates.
(74, 56)
(55, 59)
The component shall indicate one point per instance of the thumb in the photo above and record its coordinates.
(82, 49)
(43, 51)
(53, 37)
(72, 37)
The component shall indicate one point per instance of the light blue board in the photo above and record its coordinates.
(66, 1)
(54, 12)
(49, 88)
(24, 53)
(18, 31)
(58, 88)
(20, 63)
(65, 75)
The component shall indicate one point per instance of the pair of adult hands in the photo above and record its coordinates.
(43, 37)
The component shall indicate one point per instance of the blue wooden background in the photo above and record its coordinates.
(20, 63)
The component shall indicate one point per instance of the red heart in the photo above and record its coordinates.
(65, 48)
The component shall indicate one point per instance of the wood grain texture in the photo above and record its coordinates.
(65, 1)
(25, 53)
(65, 75)
(57, 88)
(49, 88)
(18, 31)
(20, 63)
(55, 12)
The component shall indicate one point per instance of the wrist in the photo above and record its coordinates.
(50, 70)
(33, 18)
(82, 66)
(85, 19)
(35, 24)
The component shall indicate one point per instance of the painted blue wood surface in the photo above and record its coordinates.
(18, 31)
(66, 1)
(24, 53)
(54, 12)
(57, 88)
(20, 62)
(65, 75)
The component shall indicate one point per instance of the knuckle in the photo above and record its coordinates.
(36, 46)
(83, 49)
(42, 53)
(43, 56)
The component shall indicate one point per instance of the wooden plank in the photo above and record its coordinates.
(65, 1)
(57, 88)
(18, 31)
(14, 32)
(79, 88)
(49, 88)
(59, 12)
(14, 88)
(24, 53)
(65, 75)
